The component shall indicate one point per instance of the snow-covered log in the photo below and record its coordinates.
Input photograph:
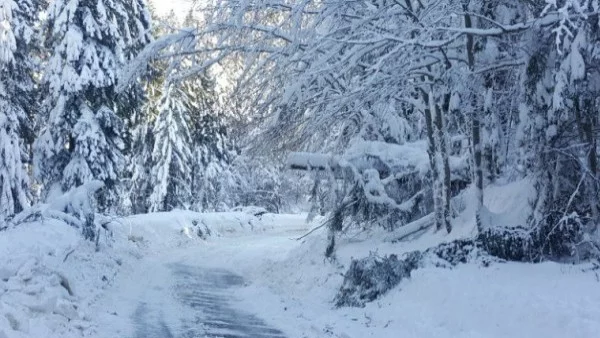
(378, 182)
(311, 161)
(387, 158)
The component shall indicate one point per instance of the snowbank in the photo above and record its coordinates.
(51, 278)
(167, 230)
(48, 273)
(297, 288)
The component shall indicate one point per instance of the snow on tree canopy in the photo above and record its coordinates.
(171, 156)
(90, 41)
(395, 156)
(17, 101)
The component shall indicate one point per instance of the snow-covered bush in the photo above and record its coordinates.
(76, 208)
(552, 240)
(510, 243)
(370, 277)
(561, 236)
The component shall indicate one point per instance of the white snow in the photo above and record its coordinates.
(409, 155)
(506, 300)
(296, 290)
(39, 261)
(310, 160)
(40, 258)
(288, 283)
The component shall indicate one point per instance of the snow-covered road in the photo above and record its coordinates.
(206, 295)
(193, 291)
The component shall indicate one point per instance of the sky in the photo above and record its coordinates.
(179, 6)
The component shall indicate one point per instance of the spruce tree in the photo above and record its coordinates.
(140, 164)
(83, 139)
(181, 146)
(213, 151)
(17, 100)
(171, 155)
(132, 104)
(141, 125)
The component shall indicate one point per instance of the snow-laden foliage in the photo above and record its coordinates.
(181, 149)
(371, 277)
(77, 207)
(558, 124)
(18, 106)
(375, 184)
(140, 162)
(258, 181)
(213, 151)
(14, 181)
(505, 86)
(83, 137)
(171, 171)
(415, 101)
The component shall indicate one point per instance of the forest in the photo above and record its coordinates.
(489, 91)
(471, 123)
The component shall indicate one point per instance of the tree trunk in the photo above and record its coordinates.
(443, 138)
(587, 123)
(475, 130)
(476, 137)
(432, 152)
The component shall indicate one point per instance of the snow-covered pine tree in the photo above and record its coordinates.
(132, 103)
(140, 159)
(17, 100)
(136, 23)
(181, 146)
(170, 175)
(142, 123)
(83, 138)
(213, 151)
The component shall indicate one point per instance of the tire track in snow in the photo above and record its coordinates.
(149, 326)
(206, 292)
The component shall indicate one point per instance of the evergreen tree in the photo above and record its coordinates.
(213, 152)
(17, 100)
(140, 163)
(171, 155)
(141, 126)
(180, 146)
(132, 102)
(136, 24)
(83, 139)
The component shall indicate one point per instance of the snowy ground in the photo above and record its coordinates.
(158, 279)
(505, 300)
(51, 281)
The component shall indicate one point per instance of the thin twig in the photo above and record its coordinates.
(310, 232)
(68, 254)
